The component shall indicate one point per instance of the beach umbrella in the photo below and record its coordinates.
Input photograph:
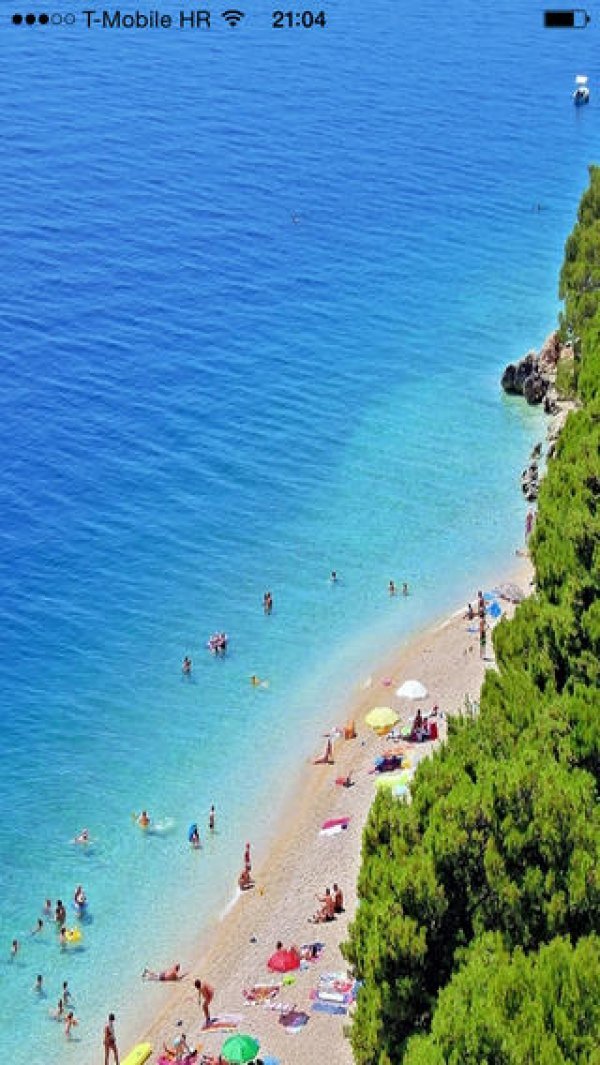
(512, 592)
(494, 609)
(393, 780)
(282, 961)
(381, 717)
(240, 1048)
(412, 689)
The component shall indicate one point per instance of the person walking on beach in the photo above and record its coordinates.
(482, 637)
(247, 861)
(480, 605)
(211, 819)
(110, 1040)
(206, 993)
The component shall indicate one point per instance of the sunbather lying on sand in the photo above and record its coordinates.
(165, 976)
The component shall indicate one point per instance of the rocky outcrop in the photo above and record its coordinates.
(532, 376)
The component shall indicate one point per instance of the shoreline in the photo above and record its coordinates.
(231, 954)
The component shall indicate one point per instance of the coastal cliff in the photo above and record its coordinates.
(476, 934)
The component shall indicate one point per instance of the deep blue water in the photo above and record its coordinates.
(258, 287)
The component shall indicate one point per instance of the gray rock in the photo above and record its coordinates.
(534, 388)
(516, 374)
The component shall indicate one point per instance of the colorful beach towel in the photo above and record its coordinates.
(225, 1022)
(294, 1020)
(329, 1007)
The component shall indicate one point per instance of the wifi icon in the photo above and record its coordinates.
(232, 17)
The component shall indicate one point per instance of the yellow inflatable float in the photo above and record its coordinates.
(138, 1055)
(73, 935)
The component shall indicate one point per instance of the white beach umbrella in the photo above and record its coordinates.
(412, 689)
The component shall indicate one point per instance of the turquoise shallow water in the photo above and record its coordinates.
(202, 398)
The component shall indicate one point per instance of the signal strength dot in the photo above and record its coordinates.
(232, 16)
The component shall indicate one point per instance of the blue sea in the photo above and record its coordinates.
(258, 287)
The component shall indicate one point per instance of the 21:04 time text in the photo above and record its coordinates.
(287, 20)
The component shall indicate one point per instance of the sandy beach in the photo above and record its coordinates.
(302, 863)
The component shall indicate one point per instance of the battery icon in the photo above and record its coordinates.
(575, 19)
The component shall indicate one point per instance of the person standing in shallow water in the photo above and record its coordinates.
(186, 666)
(268, 603)
(211, 819)
(392, 588)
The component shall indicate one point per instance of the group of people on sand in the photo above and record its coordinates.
(332, 903)
(480, 615)
(424, 727)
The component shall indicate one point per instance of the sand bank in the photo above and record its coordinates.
(302, 863)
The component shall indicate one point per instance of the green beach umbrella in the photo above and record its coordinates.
(381, 717)
(240, 1048)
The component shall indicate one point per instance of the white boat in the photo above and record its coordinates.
(581, 94)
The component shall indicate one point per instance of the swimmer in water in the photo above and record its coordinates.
(59, 1013)
(47, 908)
(66, 994)
(256, 682)
(38, 928)
(143, 820)
(38, 987)
(186, 667)
(80, 898)
(83, 837)
(70, 1022)
(333, 576)
(14, 949)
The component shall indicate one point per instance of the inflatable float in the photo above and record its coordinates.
(217, 643)
(334, 825)
(138, 1055)
(73, 935)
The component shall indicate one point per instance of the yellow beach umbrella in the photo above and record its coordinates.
(381, 717)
